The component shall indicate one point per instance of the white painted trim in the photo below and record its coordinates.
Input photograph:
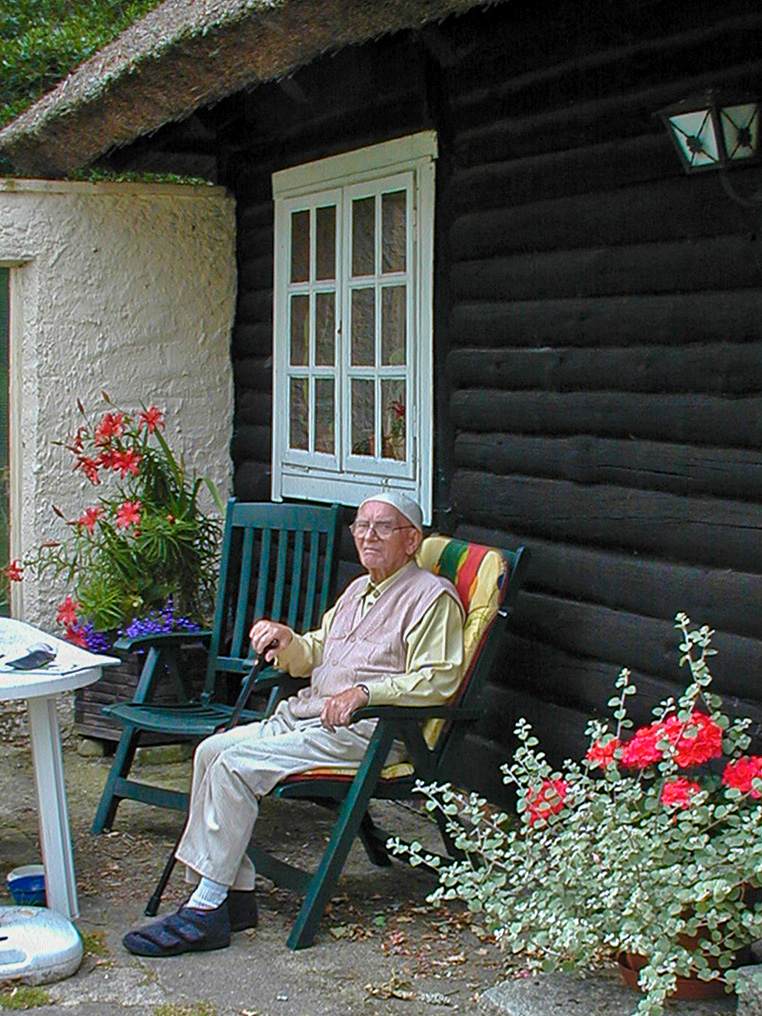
(18, 278)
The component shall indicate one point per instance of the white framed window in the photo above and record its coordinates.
(352, 318)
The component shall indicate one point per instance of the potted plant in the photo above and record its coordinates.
(650, 847)
(143, 554)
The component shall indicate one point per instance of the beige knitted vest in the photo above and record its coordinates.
(362, 650)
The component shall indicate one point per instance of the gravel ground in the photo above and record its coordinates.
(380, 950)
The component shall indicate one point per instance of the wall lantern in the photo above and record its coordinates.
(712, 133)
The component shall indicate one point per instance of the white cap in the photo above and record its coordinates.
(405, 505)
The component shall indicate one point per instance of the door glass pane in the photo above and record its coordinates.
(325, 329)
(363, 236)
(300, 330)
(363, 327)
(394, 231)
(393, 410)
(300, 246)
(325, 242)
(363, 436)
(393, 324)
(325, 415)
(298, 415)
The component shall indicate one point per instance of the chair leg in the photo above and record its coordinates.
(346, 827)
(374, 842)
(120, 767)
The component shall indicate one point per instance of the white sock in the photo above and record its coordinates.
(208, 894)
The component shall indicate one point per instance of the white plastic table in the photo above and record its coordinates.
(72, 668)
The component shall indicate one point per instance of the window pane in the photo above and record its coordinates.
(363, 327)
(363, 436)
(298, 417)
(393, 324)
(363, 236)
(300, 330)
(394, 231)
(324, 415)
(325, 329)
(300, 246)
(325, 242)
(393, 410)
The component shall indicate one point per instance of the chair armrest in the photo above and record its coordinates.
(417, 713)
(274, 678)
(161, 640)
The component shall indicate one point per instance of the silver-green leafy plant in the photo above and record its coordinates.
(651, 845)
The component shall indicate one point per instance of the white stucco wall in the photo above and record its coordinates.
(127, 288)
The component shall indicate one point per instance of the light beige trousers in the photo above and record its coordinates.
(234, 769)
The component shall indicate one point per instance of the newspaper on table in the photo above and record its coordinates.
(17, 638)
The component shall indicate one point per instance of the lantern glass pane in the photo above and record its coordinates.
(695, 137)
(740, 129)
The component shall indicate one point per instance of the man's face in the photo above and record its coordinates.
(382, 557)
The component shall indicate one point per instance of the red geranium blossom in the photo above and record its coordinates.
(696, 740)
(679, 793)
(76, 634)
(152, 418)
(546, 801)
(66, 612)
(741, 772)
(128, 514)
(14, 570)
(602, 754)
(641, 750)
(111, 426)
(90, 517)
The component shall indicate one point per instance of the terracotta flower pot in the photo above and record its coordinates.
(687, 988)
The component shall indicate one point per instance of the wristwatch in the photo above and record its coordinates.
(364, 687)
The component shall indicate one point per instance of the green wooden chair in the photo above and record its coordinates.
(487, 581)
(278, 561)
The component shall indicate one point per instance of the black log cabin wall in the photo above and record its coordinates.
(597, 336)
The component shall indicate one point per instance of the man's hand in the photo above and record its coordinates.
(270, 633)
(338, 709)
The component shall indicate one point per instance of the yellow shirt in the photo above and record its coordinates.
(434, 658)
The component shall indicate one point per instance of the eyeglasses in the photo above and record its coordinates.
(383, 529)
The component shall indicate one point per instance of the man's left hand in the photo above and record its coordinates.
(338, 709)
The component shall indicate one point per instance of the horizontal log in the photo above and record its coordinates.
(653, 212)
(252, 339)
(251, 442)
(256, 241)
(718, 368)
(255, 306)
(477, 768)
(703, 531)
(647, 465)
(254, 372)
(729, 600)
(683, 419)
(253, 407)
(254, 216)
(716, 263)
(255, 272)
(663, 320)
(251, 481)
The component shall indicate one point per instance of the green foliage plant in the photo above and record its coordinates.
(652, 845)
(145, 547)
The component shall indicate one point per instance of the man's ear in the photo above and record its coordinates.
(415, 539)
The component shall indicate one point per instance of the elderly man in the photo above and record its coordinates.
(394, 636)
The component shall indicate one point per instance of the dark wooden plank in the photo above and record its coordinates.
(252, 338)
(648, 465)
(255, 271)
(253, 372)
(715, 263)
(703, 531)
(663, 319)
(251, 442)
(252, 481)
(719, 367)
(699, 419)
(255, 306)
(253, 407)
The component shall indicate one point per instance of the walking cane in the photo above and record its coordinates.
(152, 907)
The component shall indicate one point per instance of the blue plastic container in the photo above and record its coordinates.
(27, 885)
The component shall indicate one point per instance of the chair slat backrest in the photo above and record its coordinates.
(278, 561)
(487, 580)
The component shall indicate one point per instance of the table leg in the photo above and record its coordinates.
(55, 837)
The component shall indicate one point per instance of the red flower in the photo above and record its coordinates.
(76, 635)
(641, 750)
(696, 740)
(151, 418)
(14, 570)
(602, 754)
(546, 801)
(127, 462)
(67, 612)
(128, 514)
(111, 426)
(679, 793)
(91, 516)
(741, 772)
(90, 468)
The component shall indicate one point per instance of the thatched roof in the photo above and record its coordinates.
(189, 53)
